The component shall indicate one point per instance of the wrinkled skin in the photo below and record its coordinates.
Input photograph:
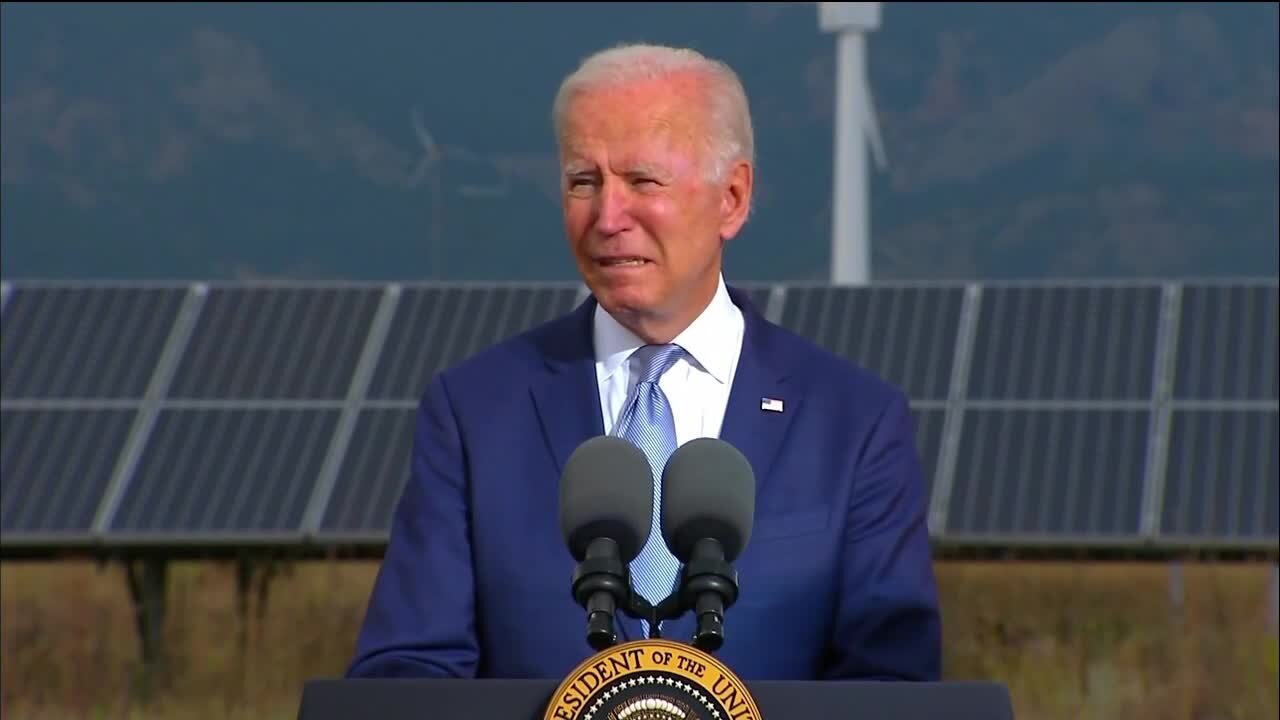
(637, 185)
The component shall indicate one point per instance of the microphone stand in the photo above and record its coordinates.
(669, 609)
(601, 582)
(708, 587)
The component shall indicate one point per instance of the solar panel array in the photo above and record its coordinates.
(1095, 415)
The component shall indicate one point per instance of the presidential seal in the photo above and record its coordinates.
(652, 680)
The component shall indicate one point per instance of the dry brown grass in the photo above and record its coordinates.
(1105, 641)
(1071, 641)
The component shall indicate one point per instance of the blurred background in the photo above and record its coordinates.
(1074, 222)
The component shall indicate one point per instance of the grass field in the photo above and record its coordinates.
(1071, 641)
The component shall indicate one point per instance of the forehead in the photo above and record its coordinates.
(642, 119)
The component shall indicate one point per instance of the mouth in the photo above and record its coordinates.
(622, 261)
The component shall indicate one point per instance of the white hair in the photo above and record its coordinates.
(728, 114)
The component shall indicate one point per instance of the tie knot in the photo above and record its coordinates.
(656, 359)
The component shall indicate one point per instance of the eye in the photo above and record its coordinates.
(580, 184)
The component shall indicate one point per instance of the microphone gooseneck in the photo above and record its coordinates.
(600, 586)
(709, 587)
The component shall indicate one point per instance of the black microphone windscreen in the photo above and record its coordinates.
(708, 491)
(606, 491)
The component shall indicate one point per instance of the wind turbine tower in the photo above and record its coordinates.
(855, 127)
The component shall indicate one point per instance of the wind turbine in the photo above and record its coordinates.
(430, 168)
(855, 124)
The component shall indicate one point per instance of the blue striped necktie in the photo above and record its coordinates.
(648, 423)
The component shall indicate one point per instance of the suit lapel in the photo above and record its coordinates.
(568, 407)
(761, 403)
(752, 421)
(567, 402)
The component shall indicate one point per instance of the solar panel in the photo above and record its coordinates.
(1055, 472)
(226, 471)
(72, 342)
(56, 466)
(1065, 343)
(1222, 475)
(928, 428)
(906, 335)
(436, 327)
(1227, 343)
(758, 294)
(276, 342)
(1053, 444)
(373, 474)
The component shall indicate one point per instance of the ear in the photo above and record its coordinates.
(735, 199)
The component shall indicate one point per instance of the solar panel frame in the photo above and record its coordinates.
(225, 473)
(64, 342)
(927, 424)
(1214, 400)
(57, 465)
(262, 343)
(1228, 342)
(905, 334)
(410, 358)
(1222, 475)
(1103, 347)
(1009, 454)
(372, 476)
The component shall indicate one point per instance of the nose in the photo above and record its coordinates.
(613, 208)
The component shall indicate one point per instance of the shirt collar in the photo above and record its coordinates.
(708, 340)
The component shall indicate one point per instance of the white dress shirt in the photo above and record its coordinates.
(697, 385)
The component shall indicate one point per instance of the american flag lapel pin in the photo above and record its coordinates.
(771, 404)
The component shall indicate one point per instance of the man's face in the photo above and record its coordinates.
(644, 218)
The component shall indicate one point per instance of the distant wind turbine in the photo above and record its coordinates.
(430, 167)
(855, 124)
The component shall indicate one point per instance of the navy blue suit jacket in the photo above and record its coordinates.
(836, 580)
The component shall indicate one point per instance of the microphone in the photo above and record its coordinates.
(606, 509)
(708, 506)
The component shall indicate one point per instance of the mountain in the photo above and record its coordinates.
(237, 141)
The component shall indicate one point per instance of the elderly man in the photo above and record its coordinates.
(657, 156)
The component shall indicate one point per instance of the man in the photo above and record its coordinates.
(836, 582)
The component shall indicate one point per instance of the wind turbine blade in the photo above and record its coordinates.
(418, 173)
(872, 127)
(424, 136)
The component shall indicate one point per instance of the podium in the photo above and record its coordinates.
(528, 700)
